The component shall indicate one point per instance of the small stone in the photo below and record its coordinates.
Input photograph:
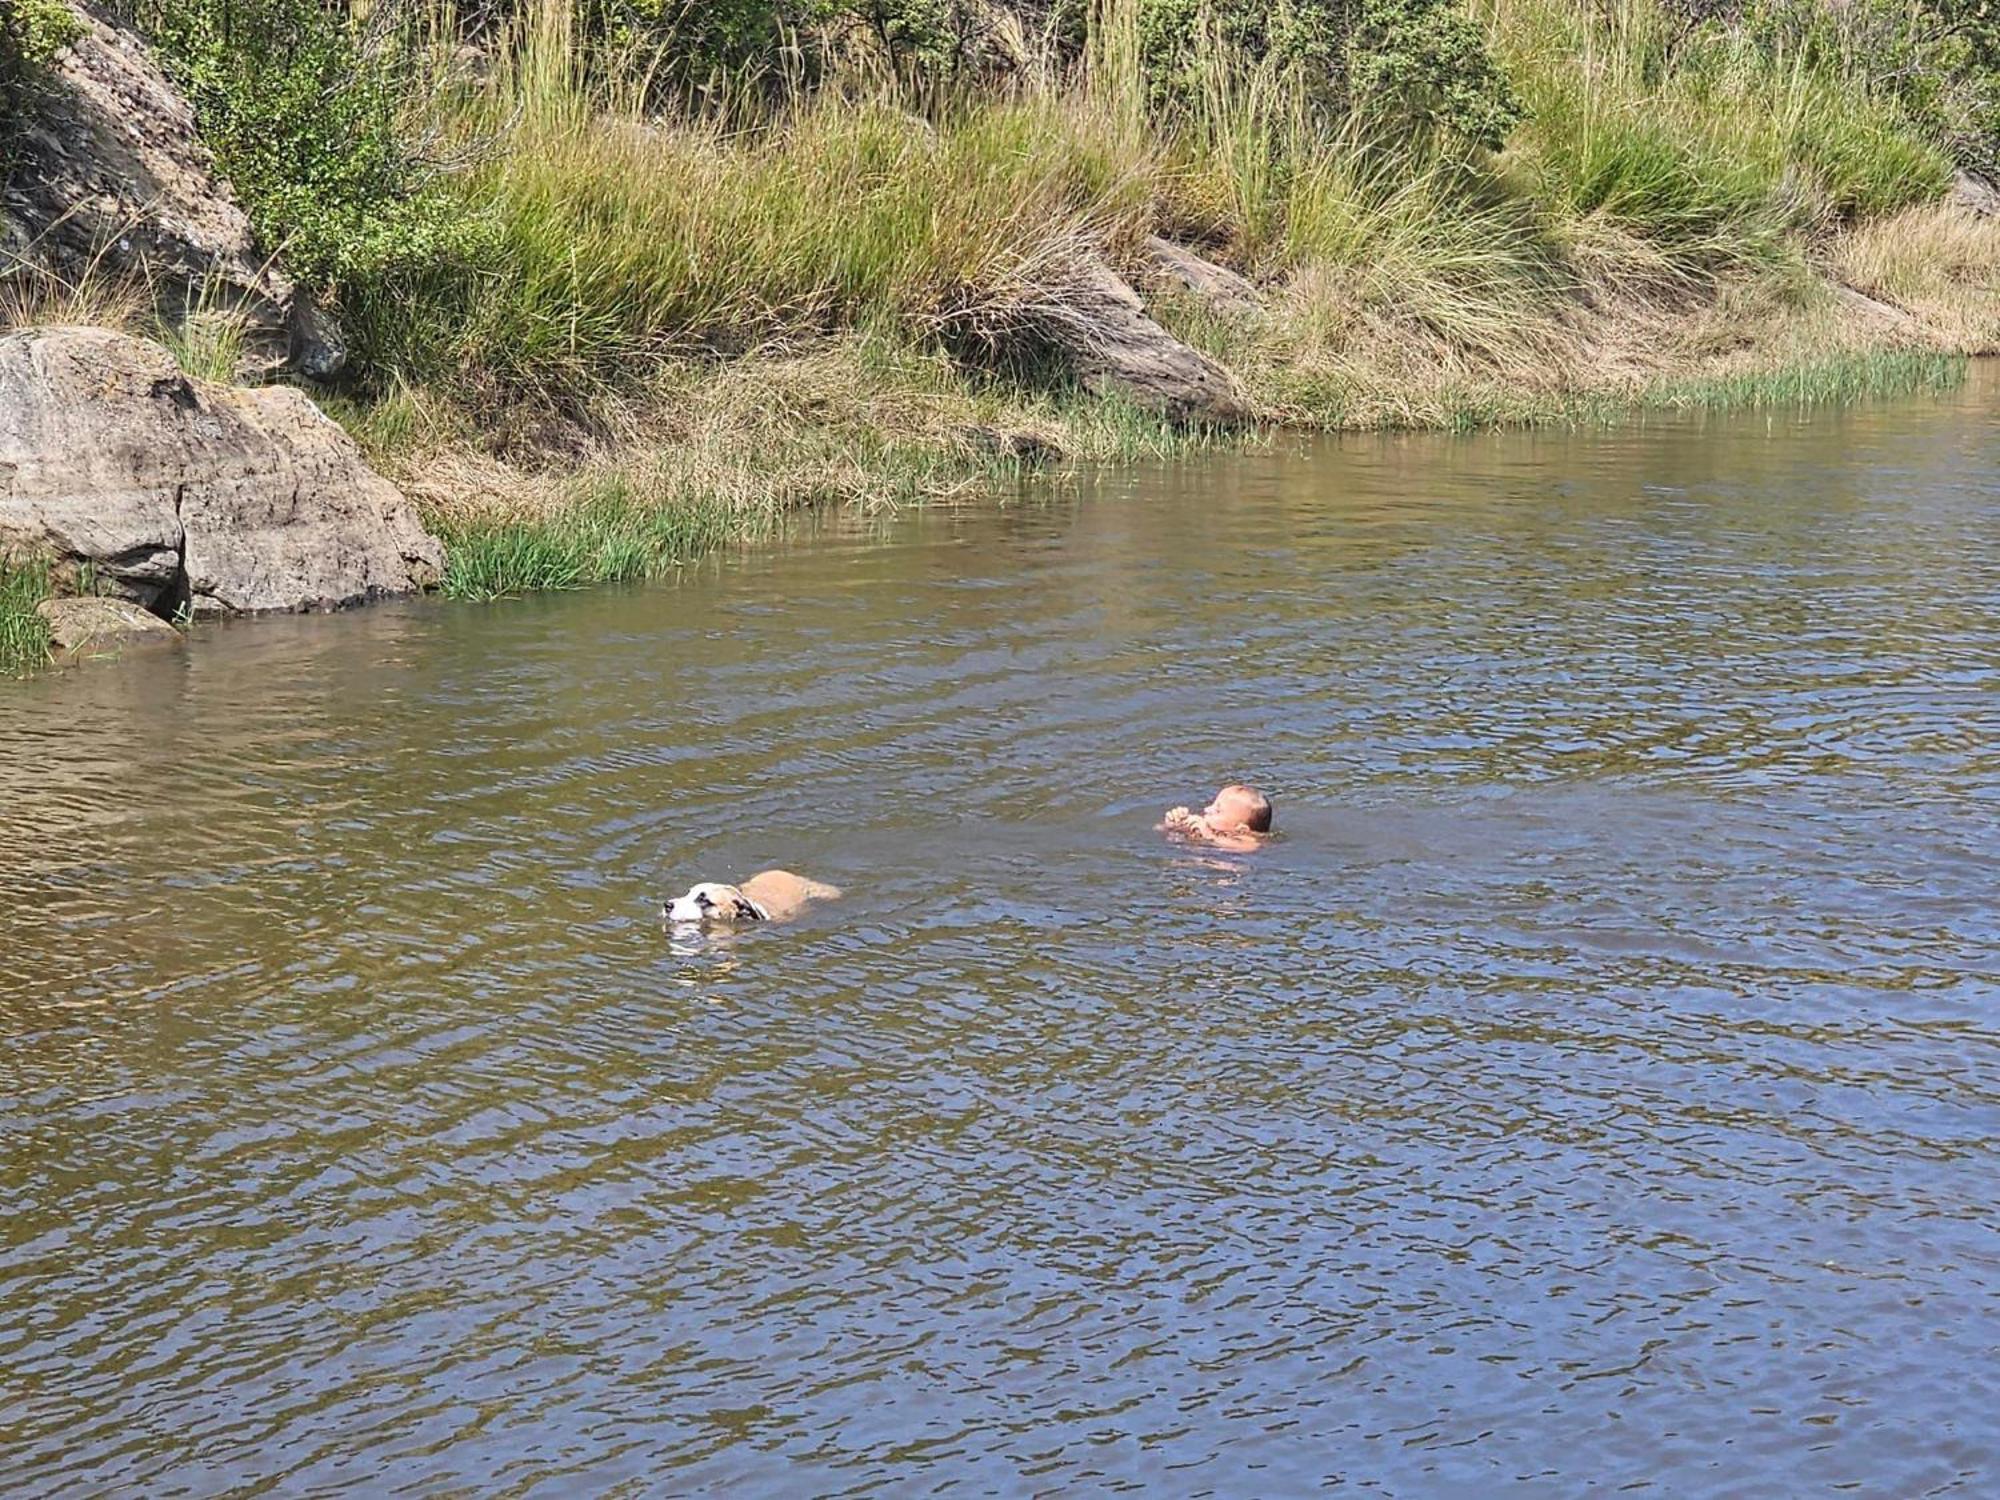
(77, 624)
(1975, 195)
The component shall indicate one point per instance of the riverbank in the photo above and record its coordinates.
(799, 433)
(601, 319)
(695, 321)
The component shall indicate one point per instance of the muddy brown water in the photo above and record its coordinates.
(1597, 1085)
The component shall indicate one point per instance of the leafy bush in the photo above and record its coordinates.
(304, 115)
(685, 49)
(32, 33)
(1423, 64)
(1407, 65)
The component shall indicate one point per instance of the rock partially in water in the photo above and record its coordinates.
(112, 178)
(80, 624)
(178, 491)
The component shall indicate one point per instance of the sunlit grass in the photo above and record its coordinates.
(1854, 376)
(684, 326)
(24, 635)
(1691, 142)
(607, 532)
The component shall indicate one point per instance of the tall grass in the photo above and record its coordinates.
(623, 240)
(1697, 144)
(682, 324)
(1833, 380)
(24, 635)
(660, 331)
(608, 532)
(1936, 262)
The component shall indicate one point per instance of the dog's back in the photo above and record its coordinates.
(781, 893)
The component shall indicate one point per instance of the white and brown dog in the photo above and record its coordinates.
(768, 896)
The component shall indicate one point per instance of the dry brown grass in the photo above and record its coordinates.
(31, 297)
(1938, 263)
(1339, 351)
(759, 434)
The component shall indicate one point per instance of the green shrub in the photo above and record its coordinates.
(1406, 66)
(1423, 65)
(1939, 60)
(699, 50)
(308, 125)
(32, 34)
(1699, 140)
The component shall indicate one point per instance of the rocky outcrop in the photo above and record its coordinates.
(91, 623)
(174, 491)
(111, 179)
(1105, 334)
(1224, 290)
(1874, 307)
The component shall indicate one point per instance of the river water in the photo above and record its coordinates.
(1597, 1084)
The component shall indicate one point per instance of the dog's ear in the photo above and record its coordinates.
(748, 910)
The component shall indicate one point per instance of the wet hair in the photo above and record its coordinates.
(1259, 820)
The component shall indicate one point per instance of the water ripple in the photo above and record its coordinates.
(1597, 1084)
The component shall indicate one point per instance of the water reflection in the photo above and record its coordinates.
(1595, 1085)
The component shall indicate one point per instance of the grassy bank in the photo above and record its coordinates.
(694, 320)
(621, 289)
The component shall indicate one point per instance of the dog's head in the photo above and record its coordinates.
(712, 904)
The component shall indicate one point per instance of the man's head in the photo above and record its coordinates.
(1239, 807)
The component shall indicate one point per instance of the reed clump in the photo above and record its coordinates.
(24, 634)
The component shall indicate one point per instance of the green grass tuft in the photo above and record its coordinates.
(24, 635)
(1856, 376)
(611, 533)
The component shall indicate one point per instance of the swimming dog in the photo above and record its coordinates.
(768, 896)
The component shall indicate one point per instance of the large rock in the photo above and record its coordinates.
(111, 179)
(178, 491)
(81, 624)
(1101, 327)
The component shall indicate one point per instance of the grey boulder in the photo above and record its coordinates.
(1975, 195)
(1224, 290)
(1101, 325)
(82, 624)
(171, 491)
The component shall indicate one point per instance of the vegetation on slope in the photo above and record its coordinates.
(627, 276)
(32, 34)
